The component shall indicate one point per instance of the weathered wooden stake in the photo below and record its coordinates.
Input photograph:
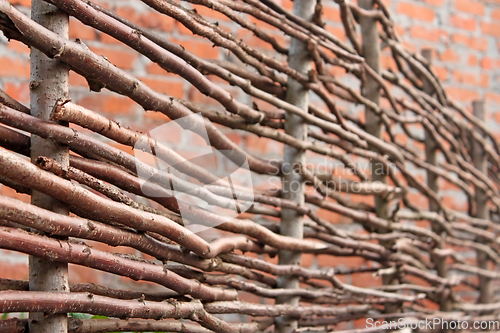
(293, 184)
(371, 90)
(49, 82)
(432, 182)
(481, 163)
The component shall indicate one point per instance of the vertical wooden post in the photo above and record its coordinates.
(432, 183)
(49, 82)
(481, 163)
(371, 90)
(430, 145)
(293, 184)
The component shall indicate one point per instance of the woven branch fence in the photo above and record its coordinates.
(409, 141)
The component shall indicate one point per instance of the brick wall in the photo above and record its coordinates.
(464, 35)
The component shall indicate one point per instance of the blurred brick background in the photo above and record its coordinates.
(464, 34)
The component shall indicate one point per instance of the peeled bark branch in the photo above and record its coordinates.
(136, 325)
(29, 175)
(8, 284)
(51, 302)
(12, 103)
(70, 252)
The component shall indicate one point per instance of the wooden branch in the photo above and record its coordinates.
(29, 175)
(71, 252)
(8, 284)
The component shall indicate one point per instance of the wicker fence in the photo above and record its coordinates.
(373, 168)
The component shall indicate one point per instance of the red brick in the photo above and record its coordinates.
(366, 280)
(250, 298)
(263, 145)
(331, 13)
(472, 79)
(199, 47)
(463, 22)
(487, 63)
(149, 19)
(416, 11)
(14, 67)
(154, 68)
(469, 6)
(181, 28)
(268, 258)
(234, 137)
(410, 46)
(492, 29)
(388, 62)
(79, 30)
(26, 3)
(484, 80)
(11, 270)
(9, 192)
(120, 58)
(464, 77)
(472, 60)
(449, 56)
(125, 148)
(401, 31)
(452, 202)
(18, 47)
(422, 32)
(175, 89)
(18, 91)
(492, 97)
(437, 3)
(326, 260)
(77, 80)
(157, 21)
(108, 103)
(447, 186)
(495, 14)
(339, 32)
(462, 94)
(476, 43)
(105, 38)
(307, 259)
(366, 199)
(82, 274)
